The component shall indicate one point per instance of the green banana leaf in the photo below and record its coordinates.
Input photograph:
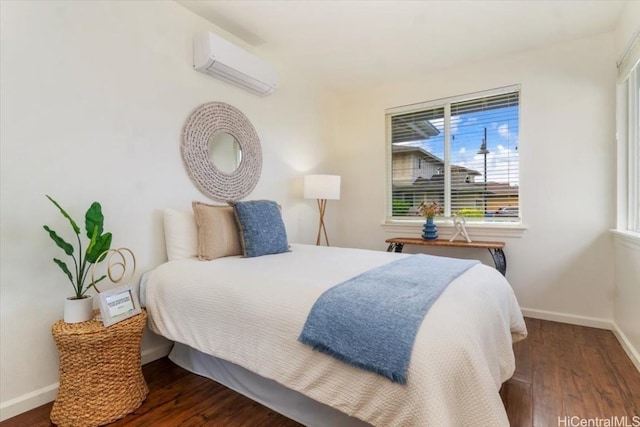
(64, 268)
(76, 229)
(94, 218)
(101, 245)
(66, 247)
(93, 237)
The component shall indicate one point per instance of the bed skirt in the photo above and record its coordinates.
(267, 392)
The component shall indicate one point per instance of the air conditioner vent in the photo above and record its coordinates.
(220, 58)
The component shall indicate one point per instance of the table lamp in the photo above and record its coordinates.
(322, 188)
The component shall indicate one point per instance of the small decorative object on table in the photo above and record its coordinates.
(429, 211)
(430, 230)
(79, 307)
(459, 223)
(122, 302)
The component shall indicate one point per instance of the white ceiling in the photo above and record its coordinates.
(346, 43)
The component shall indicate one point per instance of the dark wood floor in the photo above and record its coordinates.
(570, 371)
(562, 370)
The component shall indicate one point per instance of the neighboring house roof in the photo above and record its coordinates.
(418, 151)
(462, 169)
(405, 129)
(436, 183)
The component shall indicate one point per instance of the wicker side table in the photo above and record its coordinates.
(100, 371)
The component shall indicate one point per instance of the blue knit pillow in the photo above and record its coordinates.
(261, 228)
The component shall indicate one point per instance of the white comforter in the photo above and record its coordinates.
(250, 311)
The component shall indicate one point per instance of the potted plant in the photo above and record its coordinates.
(79, 307)
(429, 211)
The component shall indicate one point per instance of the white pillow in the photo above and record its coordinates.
(180, 234)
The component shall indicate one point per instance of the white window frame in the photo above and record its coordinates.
(633, 145)
(628, 141)
(481, 228)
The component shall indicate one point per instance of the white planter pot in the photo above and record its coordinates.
(78, 310)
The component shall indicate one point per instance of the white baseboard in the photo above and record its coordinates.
(572, 319)
(157, 352)
(47, 394)
(28, 401)
(633, 353)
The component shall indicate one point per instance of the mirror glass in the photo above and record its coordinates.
(225, 152)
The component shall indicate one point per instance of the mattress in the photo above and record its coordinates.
(250, 312)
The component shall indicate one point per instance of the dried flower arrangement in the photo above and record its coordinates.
(430, 210)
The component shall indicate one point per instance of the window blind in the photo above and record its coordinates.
(460, 152)
(484, 157)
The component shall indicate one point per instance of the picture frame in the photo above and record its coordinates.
(118, 304)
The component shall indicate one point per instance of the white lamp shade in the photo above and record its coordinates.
(322, 187)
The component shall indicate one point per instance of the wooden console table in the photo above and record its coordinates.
(396, 244)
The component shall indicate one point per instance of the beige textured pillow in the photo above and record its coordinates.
(217, 231)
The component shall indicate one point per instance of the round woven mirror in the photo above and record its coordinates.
(207, 167)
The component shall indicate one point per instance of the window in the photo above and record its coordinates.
(467, 149)
(629, 138)
(634, 151)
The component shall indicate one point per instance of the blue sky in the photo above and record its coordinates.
(467, 132)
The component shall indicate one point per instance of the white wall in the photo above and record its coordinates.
(93, 99)
(94, 96)
(626, 309)
(562, 265)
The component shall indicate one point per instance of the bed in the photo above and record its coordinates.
(237, 320)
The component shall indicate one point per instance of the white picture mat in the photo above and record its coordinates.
(118, 304)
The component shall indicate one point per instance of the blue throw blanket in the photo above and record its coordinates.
(371, 320)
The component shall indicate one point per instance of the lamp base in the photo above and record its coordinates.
(322, 230)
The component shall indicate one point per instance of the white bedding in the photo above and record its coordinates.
(250, 311)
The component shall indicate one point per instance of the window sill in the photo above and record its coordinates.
(483, 230)
(630, 238)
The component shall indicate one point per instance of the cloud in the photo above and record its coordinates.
(502, 165)
(503, 131)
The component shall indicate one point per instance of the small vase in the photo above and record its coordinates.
(430, 230)
(78, 310)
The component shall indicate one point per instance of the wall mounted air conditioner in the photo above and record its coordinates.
(222, 59)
